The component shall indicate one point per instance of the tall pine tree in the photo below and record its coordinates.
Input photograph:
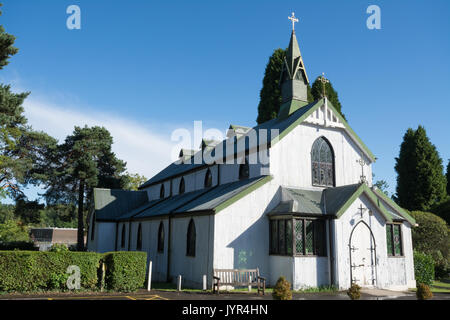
(420, 178)
(82, 162)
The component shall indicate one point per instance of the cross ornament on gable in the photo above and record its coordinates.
(294, 20)
(324, 81)
(362, 163)
(362, 209)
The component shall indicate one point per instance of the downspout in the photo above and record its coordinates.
(331, 259)
(129, 234)
(169, 242)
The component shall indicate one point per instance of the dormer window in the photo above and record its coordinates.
(322, 163)
(244, 171)
(208, 179)
(182, 186)
(161, 192)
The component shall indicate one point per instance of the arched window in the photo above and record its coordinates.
(322, 163)
(208, 179)
(181, 189)
(161, 237)
(122, 240)
(93, 227)
(190, 248)
(244, 171)
(139, 238)
(161, 191)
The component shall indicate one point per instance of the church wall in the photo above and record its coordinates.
(242, 231)
(192, 269)
(391, 272)
(280, 266)
(310, 272)
(105, 233)
(290, 158)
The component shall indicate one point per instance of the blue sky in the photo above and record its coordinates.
(145, 68)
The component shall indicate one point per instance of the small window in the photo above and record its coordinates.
(322, 163)
(244, 171)
(190, 243)
(181, 188)
(161, 192)
(139, 238)
(208, 179)
(122, 239)
(394, 240)
(161, 237)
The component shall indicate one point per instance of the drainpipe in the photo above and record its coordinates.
(169, 242)
(129, 234)
(115, 243)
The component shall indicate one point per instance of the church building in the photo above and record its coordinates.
(292, 197)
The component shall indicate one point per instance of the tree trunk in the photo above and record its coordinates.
(80, 234)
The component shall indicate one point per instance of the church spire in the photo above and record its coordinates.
(294, 80)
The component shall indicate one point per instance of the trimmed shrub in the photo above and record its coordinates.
(125, 270)
(423, 292)
(58, 247)
(354, 292)
(423, 268)
(282, 290)
(25, 271)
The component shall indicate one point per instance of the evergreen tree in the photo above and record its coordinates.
(332, 95)
(7, 48)
(420, 178)
(270, 94)
(82, 162)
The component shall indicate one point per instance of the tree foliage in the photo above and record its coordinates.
(134, 180)
(447, 175)
(7, 48)
(84, 161)
(13, 231)
(420, 179)
(332, 95)
(270, 94)
(431, 236)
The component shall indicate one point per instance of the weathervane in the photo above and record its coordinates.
(294, 20)
(362, 163)
(324, 81)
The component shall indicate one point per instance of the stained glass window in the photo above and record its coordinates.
(322, 163)
(282, 236)
(139, 238)
(190, 248)
(298, 231)
(289, 237)
(394, 240)
(309, 237)
(161, 237)
(274, 236)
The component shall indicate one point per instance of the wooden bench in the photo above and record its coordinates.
(238, 277)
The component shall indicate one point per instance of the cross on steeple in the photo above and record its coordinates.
(324, 81)
(294, 20)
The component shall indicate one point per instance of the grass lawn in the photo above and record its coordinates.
(437, 286)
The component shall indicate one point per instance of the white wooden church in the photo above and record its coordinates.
(294, 198)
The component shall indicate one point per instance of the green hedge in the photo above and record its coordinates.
(125, 270)
(25, 271)
(31, 271)
(423, 268)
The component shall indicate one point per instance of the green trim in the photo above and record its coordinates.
(395, 206)
(318, 104)
(363, 188)
(242, 194)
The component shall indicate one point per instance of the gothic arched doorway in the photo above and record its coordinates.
(362, 256)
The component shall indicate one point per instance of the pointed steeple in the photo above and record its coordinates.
(294, 80)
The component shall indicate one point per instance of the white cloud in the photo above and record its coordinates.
(146, 150)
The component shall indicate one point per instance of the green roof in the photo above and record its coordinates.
(330, 201)
(276, 130)
(120, 205)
